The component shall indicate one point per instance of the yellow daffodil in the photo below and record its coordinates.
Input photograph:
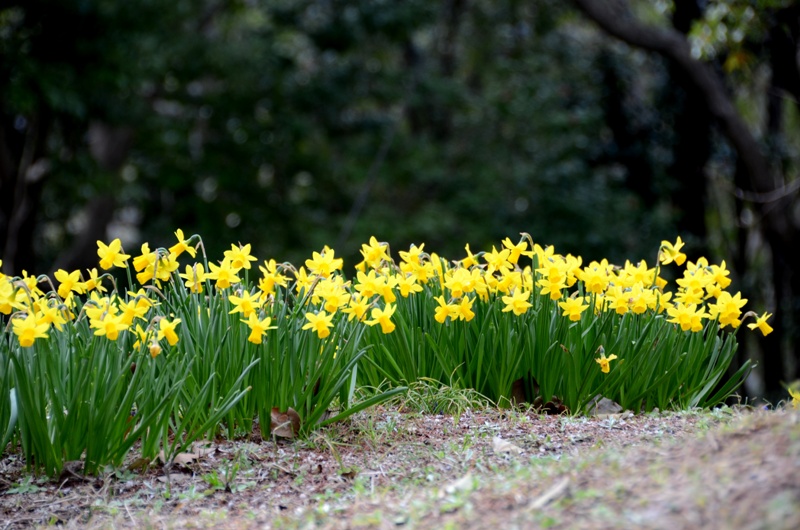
(444, 310)
(618, 299)
(413, 255)
(458, 281)
(165, 266)
(464, 309)
(53, 315)
(320, 322)
(497, 260)
(374, 253)
(194, 277)
(517, 302)
(142, 336)
(408, 285)
(29, 329)
(470, 260)
(605, 362)
(69, 281)
(239, 257)
(688, 317)
(245, 304)
(356, 308)
(95, 281)
(383, 317)
(573, 307)
(183, 245)
(111, 255)
(8, 298)
(146, 259)
(595, 277)
(303, 280)
(325, 263)
(223, 274)
(130, 310)
(552, 288)
(515, 251)
(166, 329)
(670, 252)
(271, 277)
(257, 327)
(109, 326)
(761, 324)
(795, 394)
(727, 309)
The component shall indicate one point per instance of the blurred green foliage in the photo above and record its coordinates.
(295, 124)
(292, 124)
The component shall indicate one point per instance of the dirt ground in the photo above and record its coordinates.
(391, 468)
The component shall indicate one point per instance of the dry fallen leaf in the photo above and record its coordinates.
(465, 483)
(559, 489)
(186, 458)
(502, 446)
(285, 424)
(182, 459)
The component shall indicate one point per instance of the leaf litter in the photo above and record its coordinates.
(391, 468)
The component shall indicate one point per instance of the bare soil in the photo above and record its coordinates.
(390, 468)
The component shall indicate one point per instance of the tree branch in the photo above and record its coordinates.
(614, 17)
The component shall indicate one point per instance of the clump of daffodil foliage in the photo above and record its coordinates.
(89, 368)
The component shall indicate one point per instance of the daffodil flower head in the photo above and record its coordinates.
(109, 325)
(573, 307)
(28, 329)
(795, 394)
(95, 281)
(224, 274)
(357, 307)
(111, 255)
(320, 322)
(518, 302)
(183, 245)
(194, 277)
(464, 309)
(324, 263)
(271, 278)
(761, 323)
(69, 281)
(603, 361)
(245, 304)
(257, 327)
(413, 255)
(374, 253)
(515, 251)
(727, 309)
(671, 252)
(383, 317)
(239, 257)
(154, 349)
(166, 329)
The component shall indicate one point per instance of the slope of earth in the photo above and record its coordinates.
(386, 468)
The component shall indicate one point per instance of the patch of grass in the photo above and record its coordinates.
(427, 396)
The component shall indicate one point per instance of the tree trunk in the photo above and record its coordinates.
(777, 227)
(24, 174)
